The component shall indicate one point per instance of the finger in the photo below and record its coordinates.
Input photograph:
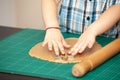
(71, 51)
(77, 47)
(55, 47)
(44, 43)
(91, 43)
(61, 47)
(65, 44)
(83, 47)
(74, 50)
(50, 46)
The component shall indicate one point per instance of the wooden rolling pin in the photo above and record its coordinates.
(96, 58)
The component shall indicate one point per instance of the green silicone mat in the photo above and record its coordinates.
(14, 59)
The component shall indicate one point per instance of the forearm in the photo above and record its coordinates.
(109, 18)
(49, 11)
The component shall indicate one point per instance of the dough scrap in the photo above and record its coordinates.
(38, 51)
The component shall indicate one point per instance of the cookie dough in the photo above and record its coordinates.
(43, 53)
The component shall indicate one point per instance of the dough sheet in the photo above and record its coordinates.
(43, 53)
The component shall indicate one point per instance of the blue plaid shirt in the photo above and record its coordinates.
(76, 15)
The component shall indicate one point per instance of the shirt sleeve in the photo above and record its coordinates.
(117, 1)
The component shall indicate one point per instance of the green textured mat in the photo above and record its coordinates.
(14, 58)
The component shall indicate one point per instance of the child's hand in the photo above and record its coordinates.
(55, 41)
(87, 39)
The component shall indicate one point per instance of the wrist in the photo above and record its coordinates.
(47, 28)
(92, 30)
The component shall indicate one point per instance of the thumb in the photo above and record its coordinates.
(65, 44)
(44, 43)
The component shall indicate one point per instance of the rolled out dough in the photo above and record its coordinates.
(38, 51)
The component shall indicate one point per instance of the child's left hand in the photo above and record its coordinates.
(87, 39)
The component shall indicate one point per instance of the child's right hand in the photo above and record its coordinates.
(55, 41)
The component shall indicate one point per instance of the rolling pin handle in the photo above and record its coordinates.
(81, 68)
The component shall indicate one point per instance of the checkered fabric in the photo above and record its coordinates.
(77, 15)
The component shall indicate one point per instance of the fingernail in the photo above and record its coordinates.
(80, 52)
(50, 49)
(63, 52)
(57, 53)
(43, 45)
(69, 53)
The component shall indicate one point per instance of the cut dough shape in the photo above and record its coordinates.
(43, 53)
